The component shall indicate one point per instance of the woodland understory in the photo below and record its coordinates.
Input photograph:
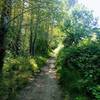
(31, 31)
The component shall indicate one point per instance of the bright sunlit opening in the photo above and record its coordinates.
(92, 5)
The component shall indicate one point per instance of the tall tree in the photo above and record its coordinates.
(5, 17)
(19, 33)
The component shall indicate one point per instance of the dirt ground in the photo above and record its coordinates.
(45, 86)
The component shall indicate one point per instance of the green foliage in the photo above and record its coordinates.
(78, 24)
(78, 63)
(96, 91)
(78, 68)
(17, 72)
(70, 79)
(28, 26)
(34, 29)
(54, 42)
(41, 46)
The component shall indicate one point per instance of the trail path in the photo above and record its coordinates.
(45, 86)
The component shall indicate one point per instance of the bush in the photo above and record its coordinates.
(79, 67)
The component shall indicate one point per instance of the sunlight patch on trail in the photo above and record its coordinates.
(56, 51)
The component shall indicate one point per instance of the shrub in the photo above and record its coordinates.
(79, 67)
(17, 72)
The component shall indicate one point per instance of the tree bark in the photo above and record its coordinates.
(19, 34)
(5, 17)
(36, 31)
(31, 38)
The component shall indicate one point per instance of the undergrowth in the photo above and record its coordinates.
(17, 72)
(78, 68)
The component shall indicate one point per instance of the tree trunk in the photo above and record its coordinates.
(36, 30)
(31, 32)
(5, 17)
(31, 40)
(19, 34)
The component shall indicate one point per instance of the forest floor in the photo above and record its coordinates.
(44, 86)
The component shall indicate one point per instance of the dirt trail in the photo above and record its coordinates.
(44, 87)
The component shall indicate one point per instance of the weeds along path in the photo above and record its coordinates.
(45, 86)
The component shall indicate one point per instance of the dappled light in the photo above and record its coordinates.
(49, 50)
(44, 87)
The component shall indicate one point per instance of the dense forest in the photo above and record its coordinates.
(32, 31)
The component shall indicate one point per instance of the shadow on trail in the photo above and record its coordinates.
(45, 86)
